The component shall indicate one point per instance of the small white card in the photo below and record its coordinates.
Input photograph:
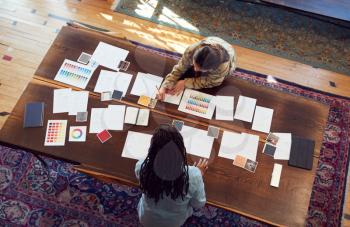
(276, 175)
(143, 117)
(131, 115)
(77, 134)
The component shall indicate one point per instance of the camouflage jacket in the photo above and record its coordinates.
(213, 78)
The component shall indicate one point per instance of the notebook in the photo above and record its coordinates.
(301, 154)
(34, 115)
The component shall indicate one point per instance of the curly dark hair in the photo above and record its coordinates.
(165, 169)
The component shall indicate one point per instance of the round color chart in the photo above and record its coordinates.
(76, 133)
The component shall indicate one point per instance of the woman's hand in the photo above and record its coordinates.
(202, 165)
(161, 94)
(178, 88)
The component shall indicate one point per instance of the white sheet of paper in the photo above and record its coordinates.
(283, 146)
(146, 84)
(136, 145)
(224, 108)
(78, 101)
(110, 81)
(243, 144)
(143, 117)
(197, 142)
(262, 119)
(114, 117)
(173, 99)
(245, 109)
(109, 56)
(198, 103)
(60, 97)
(131, 115)
(97, 124)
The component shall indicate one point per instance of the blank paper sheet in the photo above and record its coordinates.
(245, 109)
(262, 119)
(136, 145)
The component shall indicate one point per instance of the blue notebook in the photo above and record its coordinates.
(34, 115)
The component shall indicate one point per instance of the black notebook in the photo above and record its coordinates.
(34, 115)
(301, 153)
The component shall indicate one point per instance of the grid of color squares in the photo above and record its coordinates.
(56, 133)
(74, 73)
(198, 103)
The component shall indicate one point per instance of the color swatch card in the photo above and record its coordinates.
(56, 133)
(243, 144)
(110, 81)
(136, 145)
(197, 142)
(104, 136)
(146, 84)
(224, 108)
(198, 103)
(74, 73)
(77, 134)
(245, 109)
(245, 163)
(109, 56)
(262, 119)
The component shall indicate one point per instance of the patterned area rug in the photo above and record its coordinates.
(267, 29)
(31, 195)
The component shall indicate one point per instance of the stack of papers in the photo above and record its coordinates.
(109, 56)
(197, 142)
(110, 81)
(262, 119)
(111, 118)
(242, 144)
(245, 109)
(146, 84)
(136, 145)
(66, 100)
(224, 108)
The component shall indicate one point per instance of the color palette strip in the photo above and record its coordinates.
(56, 133)
(74, 73)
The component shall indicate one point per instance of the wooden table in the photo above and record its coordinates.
(226, 186)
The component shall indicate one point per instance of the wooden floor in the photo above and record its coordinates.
(27, 29)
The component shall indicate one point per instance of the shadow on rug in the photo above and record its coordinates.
(267, 29)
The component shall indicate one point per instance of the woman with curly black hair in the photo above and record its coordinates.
(170, 188)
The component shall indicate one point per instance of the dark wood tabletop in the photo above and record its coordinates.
(226, 186)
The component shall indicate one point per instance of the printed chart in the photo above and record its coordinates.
(197, 103)
(56, 133)
(74, 73)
